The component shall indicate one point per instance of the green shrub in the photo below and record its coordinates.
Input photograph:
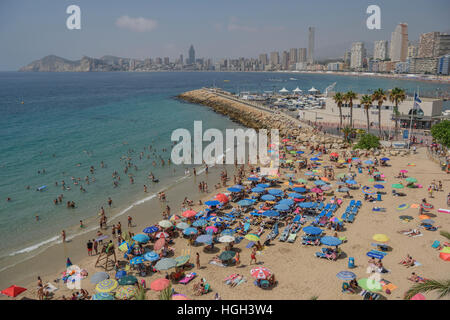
(441, 132)
(367, 141)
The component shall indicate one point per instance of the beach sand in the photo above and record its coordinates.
(299, 273)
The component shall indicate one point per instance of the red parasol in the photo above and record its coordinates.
(159, 284)
(13, 291)
(189, 213)
(159, 244)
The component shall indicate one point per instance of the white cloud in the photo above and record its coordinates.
(234, 26)
(136, 24)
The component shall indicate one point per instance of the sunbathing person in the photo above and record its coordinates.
(416, 278)
(407, 260)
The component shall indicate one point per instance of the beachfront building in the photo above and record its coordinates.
(191, 59)
(329, 115)
(423, 65)
(412, 51)
(428, 45)
(335, 66)
(399, 43)
(311, 45)
(444, 65)
(301, 55)
(358, 54)
(380, 50)
(443, 45)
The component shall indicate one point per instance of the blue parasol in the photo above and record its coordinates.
(212, 203)
(271, 213)
(268, 197)
(253, 179)
(378, 186)
(190, 231)
(137, 260)
(319, 183)
(200, 223)
(281, 207)
(275, 192)
(244, 203)
(258, 190)
(295, 195)
(262, 185)
(346, 275)
(351, 182)
(330, 241)
(141, 238)
(288, 202)
(151, 256)
(300, 152)
(204, 238)
(385, 159)
(299, 189)
(151, 229)
(307, 205)
(232, 189)
(312, 230)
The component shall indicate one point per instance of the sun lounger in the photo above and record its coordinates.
(344, 216)
(321, 255)
(297, 218)
(369, 295)
(351, 218)
(292, 237)
(285, 233)
(187, 278)
(435, 244)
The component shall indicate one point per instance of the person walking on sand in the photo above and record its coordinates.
(110, 202)
(63, 235)
(197, 260)
(253, 256)
(238, 261)
(95, 246)
(89, 247)
(130, 221)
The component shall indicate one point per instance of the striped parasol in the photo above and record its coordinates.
(106, 285)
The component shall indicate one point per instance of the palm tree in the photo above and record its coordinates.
(339, 99)
(348, 131)
(397, 96)
(349, 97)
(366, 101)
(441, 287)
(380, 96)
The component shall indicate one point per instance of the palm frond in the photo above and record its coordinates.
(442, 288)
(445, 234)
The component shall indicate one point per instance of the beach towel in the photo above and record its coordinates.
(217, 263)
(389, 286)
(416, 264)
(50, 287)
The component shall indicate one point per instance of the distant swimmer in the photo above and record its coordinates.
(37, 218)
(8, 199)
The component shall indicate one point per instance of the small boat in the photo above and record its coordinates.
(41, 188)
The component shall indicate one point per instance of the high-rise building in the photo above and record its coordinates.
(380, 50)
(399, 43)
(181, 59)
(274, 58)
(158, 60)
(301, 55)
(443, 45)
(412, 51)
(358, 54)
(285, 60)
(311, 45)
(428, 45)
(293, 55)
(191, 55)
(263, 59)
(347, 58)
(166, 60)
(444, 65)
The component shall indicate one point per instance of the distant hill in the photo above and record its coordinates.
(54, 63)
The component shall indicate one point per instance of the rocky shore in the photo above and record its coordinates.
(258, 118)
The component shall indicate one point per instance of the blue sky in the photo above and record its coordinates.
(30, 30)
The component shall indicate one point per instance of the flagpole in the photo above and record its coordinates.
(410, 122)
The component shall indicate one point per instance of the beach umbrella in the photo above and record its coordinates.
(102, 296)
(403, 206)
(229, 232)
(343, 189)
(426, 205)
(137, 260)
(378, 186)
(444, 254)
(151, 256)
(190, 231)
(351, 181)
(370, 284)
(215, 219)
(427, 221)
(120, 274)
(336, 219)
(258, 190)
(165, 264)
(106, 285)
(253, 179)
(385, 159)
(316, 190)
(300, 152)
(414, 206)
(181, 260)
(252, 237)
(162, 234)
(68, 263)
(271, 213)
(272, 178)
(222, 198)
(367, 190)
(226, 239)
(128, 280)
(227, 255)
(200, 223)
(189, 213)
(159, 244)
(319, 182)
(174, 218)
(151, 229)
(314, 159)
(281, 207)
(330, 241)
(99, 276)
(334, 154)
(275, 192)
(406, 218)
(411, 179)
(295, 195)
(309, 173)
(397, 186)
(179, 296)
(307, 205)
(423, 217)
(268, 197)
(312, 230)
(418, 296)
(368, 162)
(165, 224)
(244, 203)
(238, 186)
(299, 189)
(141, 238)
(212, 203)
(288, 202)
(262, 185)
(325, 187)
(160, 284)
(126, 292)
(125, 246)
(380, 237)
(404, 171)
(13, 291)
(346, 275)
(261, 273)
(182, 225)
(212, 228)
(232, 189)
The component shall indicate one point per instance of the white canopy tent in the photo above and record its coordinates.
(313, 90)
(284, 90)
(297, 90)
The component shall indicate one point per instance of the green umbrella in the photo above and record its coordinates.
(165, 264)
(411, 179)
(397, 186)
(127, 280)
(302, 180)
(227, 255)
(370, 284)
(183, 225)
(181, 260)
(102, 296)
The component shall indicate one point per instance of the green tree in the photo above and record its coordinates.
(368, 141)
(397, 96)
(339, 99)
(380, 96)
(366, 101)
(441, 287)
(441, 132)
(348, 131)
(166, 294)
(349, 96)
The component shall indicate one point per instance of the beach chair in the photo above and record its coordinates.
(292, 237)
(351, 218)
(285, 233)
(344, 216)
(358, 203)
(328, 206)
(435, 244)
(352, 203)
(188, 278)
(320, 255)
(321, 205)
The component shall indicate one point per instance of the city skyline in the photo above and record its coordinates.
(140, 31)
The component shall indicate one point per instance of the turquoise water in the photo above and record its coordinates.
(71, 121)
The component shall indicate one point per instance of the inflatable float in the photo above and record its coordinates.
(444, 210)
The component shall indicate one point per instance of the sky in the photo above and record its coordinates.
(30, 29)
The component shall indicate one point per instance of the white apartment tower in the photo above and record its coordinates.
(358, 54)
(380, 51)
(311, 45)
(399, 43)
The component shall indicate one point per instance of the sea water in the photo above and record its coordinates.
(67, 122)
